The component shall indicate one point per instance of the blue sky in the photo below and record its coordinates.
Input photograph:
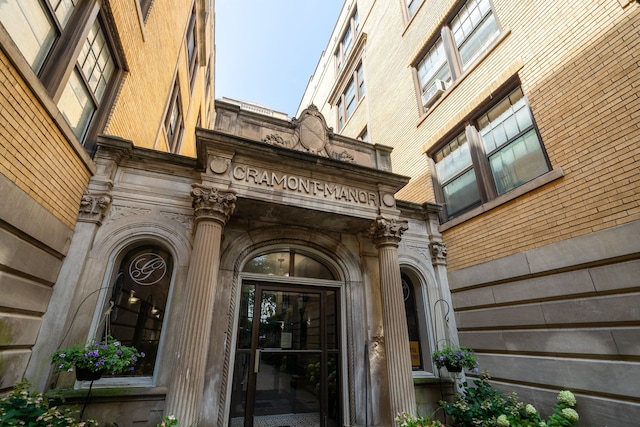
(267, 50)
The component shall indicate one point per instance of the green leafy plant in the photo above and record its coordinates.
(407, 420)
(168, 421)
(455, 357)
(485, 405)
(24, 408)
(108, 355)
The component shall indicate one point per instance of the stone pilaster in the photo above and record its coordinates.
(212, 208)
(386, 234)
(69, 290)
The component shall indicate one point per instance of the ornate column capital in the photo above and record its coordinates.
(93, 208)
(438, 253)
(212, 203)
(385, 231)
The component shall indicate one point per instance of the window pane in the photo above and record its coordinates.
(474, 28)
(76, 105)
(432, 63)
(433, 67)
(461, 193)
(331, 320)
(290, 320)
(505, 121)
(346, 42)
(479, 41)
(350, 99)
(360, 82)
(356, 21)
(338, 57)
(96, 62)
(413, 323)
(63, 10)
(245, 318)
(140, 296)
(274, 264)
(453, 158)
(191, 45)
(518, 163)
(31, 29)
(468, 18)
(305, 266)
(412, 6)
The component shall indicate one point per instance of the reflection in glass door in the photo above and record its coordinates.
(287, 362)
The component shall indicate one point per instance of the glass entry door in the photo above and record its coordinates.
(287, 361)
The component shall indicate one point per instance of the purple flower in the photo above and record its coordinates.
(142, 354)
(119, 352)
(132, 368)
(103, 346)
(62, 354)
(117, 343)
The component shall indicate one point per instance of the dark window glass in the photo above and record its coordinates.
(140, 295)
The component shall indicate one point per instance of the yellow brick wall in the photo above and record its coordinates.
(579, 67)
(155, 52)
(33, 152)
(581, 72)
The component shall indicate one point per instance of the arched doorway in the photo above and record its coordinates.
(287, 364)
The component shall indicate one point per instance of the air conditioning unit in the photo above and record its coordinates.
(433, 92)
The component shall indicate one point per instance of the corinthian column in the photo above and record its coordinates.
(212, 210)
(386, 235)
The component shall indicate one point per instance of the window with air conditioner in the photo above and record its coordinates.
(461, 42)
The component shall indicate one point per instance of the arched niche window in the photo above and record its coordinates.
(139, 296)
(288, 263)
(417, 324)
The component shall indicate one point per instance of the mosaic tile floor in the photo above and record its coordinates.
(285, 420)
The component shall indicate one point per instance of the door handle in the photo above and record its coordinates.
(256, 362)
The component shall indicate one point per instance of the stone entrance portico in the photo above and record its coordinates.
(261, 185)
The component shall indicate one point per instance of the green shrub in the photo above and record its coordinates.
(484, 405)
(24, 408)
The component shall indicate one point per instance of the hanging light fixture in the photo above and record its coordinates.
(155, 311)
(133, 298)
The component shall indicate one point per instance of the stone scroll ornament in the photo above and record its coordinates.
(211, 202)
(438, 253)
(387, 231)
(93, 208)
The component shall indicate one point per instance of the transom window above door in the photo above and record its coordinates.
(289, 263)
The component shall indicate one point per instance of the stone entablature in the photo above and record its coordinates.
(308, 133)
(296, 178)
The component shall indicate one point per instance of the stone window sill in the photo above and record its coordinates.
(507, 197)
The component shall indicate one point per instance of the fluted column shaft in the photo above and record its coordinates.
(212, 209)
(386, 235)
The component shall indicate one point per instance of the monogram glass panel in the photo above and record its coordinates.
(139, 296)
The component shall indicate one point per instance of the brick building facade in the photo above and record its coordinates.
(522, 120)
(71, 71)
